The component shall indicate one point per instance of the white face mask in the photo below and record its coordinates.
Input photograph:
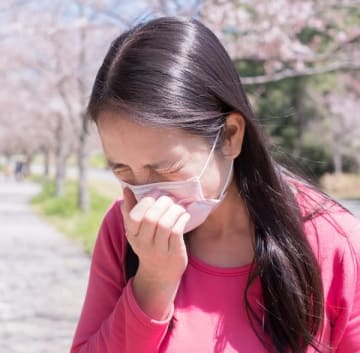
(187, 193)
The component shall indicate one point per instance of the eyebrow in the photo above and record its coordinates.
(160, 164)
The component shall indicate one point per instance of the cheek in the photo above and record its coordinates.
(212, 182)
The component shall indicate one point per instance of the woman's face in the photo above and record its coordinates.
(140, 155)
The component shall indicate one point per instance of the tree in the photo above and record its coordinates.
(288, 38)
(68, 41)
(277, 47)
(340, 124)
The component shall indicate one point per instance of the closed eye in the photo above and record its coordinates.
(174, 168)
(118, 168)
(123, 171)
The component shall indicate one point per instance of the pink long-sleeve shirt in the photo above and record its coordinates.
(209, 310)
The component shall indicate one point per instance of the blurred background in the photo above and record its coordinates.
(298, 60)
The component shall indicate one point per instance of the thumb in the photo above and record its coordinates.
(129, 201)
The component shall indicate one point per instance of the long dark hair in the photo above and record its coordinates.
(174, 72)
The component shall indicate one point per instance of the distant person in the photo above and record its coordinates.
(215, 247)
(19, 170)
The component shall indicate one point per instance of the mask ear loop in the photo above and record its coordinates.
(211, 153)
(228, 180)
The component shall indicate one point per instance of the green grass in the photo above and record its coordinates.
(97, 161)
(62, 212)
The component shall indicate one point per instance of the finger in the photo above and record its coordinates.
(129, 201)
(151, 218)
(134, 218)
(165, 226)
(176, 239)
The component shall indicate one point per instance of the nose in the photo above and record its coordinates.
(142, 177)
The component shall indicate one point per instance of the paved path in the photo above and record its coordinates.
(43, 278)
(353, 206)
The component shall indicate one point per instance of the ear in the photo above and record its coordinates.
(234, 135)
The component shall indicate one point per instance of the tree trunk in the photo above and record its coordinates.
(27, 165)
(8, 158)
(46, 156)
(60, 158)
(357, 169)
(337, 158)
(83, 196)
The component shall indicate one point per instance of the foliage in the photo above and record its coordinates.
(287, 38)
(279, 47)
(285, 109)
(298, 60)
(64, 214)
(310, 164)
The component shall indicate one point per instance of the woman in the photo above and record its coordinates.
(214, 247)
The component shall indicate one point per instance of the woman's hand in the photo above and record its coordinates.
(154, 228)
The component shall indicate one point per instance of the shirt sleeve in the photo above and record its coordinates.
(111, 320)
(346, 329)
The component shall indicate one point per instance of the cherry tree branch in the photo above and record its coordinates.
(290, 73)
